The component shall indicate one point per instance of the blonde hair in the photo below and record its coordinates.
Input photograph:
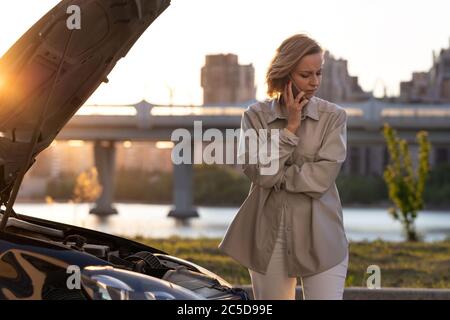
(288, 54)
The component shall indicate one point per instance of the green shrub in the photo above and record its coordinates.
(61, 187)
(357, 189)
(219, 185)
(142, 186)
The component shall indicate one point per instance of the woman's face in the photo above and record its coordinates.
(307, 75)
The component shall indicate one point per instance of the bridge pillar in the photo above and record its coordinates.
(182, 184)
(363, 159)
(104, 153)
(376, 160)
(144, 118)
(182, 193)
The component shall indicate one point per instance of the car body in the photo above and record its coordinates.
(47, 76)
(42, 259)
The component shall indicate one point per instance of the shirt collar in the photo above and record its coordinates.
(277, 111)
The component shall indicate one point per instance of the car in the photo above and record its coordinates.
(46, 76)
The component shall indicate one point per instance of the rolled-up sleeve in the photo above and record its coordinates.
(315, 178)
(287, 143)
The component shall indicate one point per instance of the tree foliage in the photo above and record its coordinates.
(87, 188)
(406, 186)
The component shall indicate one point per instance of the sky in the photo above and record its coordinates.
(384, 41)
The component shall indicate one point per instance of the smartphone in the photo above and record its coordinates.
(295, 89)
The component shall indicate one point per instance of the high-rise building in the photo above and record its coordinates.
(226, 82)
(337, 85)
(432, 86)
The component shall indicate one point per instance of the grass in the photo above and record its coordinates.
(402, 264)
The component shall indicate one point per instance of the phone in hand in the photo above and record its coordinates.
(295, 89)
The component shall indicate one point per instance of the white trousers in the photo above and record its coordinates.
(276, 285)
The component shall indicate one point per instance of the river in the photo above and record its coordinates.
(150, 220)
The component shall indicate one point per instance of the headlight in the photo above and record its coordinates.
(104, 287)
(108, 283)
(204, 271)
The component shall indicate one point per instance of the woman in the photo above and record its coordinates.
(291, 223)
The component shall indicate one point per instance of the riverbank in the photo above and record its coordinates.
(402, 264)
(215, 185)
(380, 205)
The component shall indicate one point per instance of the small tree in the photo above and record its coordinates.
(406, 187)
(87, 188)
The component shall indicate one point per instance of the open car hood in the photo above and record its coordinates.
(79, 60)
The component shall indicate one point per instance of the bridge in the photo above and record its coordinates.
(105, 125)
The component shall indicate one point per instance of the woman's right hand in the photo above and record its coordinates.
(294, 107)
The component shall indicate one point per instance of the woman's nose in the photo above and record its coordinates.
(314, 81)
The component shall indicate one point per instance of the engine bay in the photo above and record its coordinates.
(132, 257)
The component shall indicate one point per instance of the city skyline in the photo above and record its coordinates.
(396, 42)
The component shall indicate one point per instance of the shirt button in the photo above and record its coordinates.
(288, 229)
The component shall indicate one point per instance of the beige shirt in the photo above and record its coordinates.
(303, 187)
